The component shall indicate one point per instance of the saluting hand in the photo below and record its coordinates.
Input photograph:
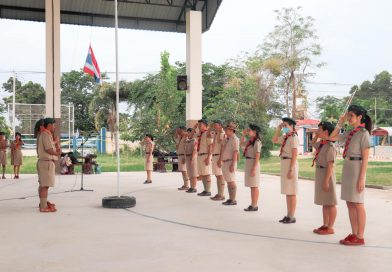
(244, 132)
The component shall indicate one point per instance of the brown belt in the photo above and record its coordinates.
(320, 166)
(249, 158)
(227, 160)
(202, 154)
(285, 158)
(188, 155)
(215, 155)
(47, 160)
(355, 159)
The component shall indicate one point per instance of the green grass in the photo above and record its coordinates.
(379, 173)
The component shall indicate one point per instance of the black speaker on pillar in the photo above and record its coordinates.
(182, 83)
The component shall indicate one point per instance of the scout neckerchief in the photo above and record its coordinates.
(249, 143)
(285, 140)
(17, 144)
(199, 140)
(352, 133)
(323, 142)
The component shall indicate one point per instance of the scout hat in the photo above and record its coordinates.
(48, 121)
(204, 121)
(289, 121)
(231, 125)
(217, 121)
(327, 126)
(255, 128)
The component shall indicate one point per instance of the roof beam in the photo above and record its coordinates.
(92, 15)
(149, 3)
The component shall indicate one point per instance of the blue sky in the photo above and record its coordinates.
(355, 36)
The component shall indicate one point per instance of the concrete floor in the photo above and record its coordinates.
(170, 230)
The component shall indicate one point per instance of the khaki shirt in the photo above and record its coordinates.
(181, 146)
(253, 149)
(292, 142)
(205, 142)
(217, 142)
(359, 141)
(231, 145)
(149, 148)
(189, 146)
(3, 145)
(45, 142)
(327, 154)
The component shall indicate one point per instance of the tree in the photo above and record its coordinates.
(29, 93)
(330, 108)
(77, 88)
(294, 44)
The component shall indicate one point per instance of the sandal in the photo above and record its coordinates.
(47, 209)
(251, 209)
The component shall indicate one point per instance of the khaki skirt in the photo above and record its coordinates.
(17, 157)
(249, 180)
(191, 168)
(227, 175)
(148, 165)
(202, 168)
(350, 175)
(288, 186)
(3, 158)
(181, 166)
(46, 173)
(321, 197)
(216, 170)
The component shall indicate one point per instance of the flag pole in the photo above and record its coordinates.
(117, 102)
(118, 202)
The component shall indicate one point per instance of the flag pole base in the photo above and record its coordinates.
(116, 202)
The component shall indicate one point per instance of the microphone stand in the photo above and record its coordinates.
(81, 184)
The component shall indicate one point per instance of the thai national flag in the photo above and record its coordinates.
(91, 66)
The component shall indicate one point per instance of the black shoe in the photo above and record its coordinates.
(229, 202)
(251, 209)
(289, 220)
(283, 219)
(204, 193)
(183, 188)
(191, 190)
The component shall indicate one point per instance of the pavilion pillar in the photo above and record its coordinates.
(193, 67)
(53, 72)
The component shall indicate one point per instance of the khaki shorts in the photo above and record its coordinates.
(229, 176)
(46, 173)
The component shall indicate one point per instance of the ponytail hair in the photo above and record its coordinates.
(368, 123)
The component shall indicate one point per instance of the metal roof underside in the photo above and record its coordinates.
(156, 15)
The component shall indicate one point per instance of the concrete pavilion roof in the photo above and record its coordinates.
(155, 15)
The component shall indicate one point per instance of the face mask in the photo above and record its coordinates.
(285, 130)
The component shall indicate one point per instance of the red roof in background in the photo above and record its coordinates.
(307, 122)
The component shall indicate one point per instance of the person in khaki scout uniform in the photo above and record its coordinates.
(252, 151)
(3, 152)
(180, 139)
(204, 143)
(228, 160)
(191, 160)
(288, 166)
(218, 136)
(356, 155)
(148, 159)
(47, 155)
(16, 154)
(325, 178)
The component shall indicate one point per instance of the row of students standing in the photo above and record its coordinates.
(202, 149)
(16, 153)
(214, 150)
